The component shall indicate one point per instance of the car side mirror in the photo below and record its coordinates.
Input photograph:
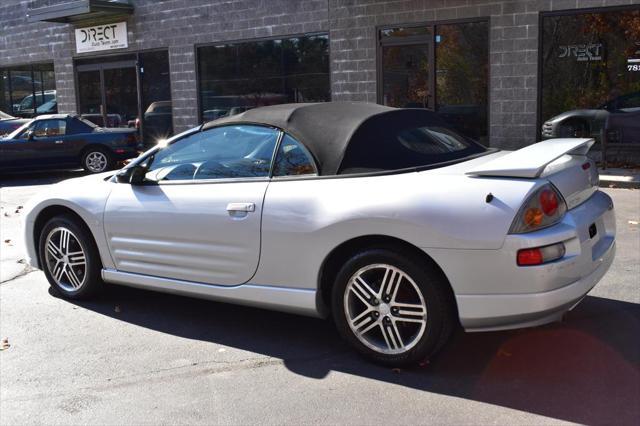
(30, 135)
(132, 175)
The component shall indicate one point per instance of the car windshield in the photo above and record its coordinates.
(19, 130)
(4, 116)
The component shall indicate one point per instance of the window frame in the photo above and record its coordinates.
(551, 14)
(197, 56)
(50, 136)
(310, 156)
(33, 68)
(421, 39)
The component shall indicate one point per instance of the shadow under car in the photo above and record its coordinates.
(584, 370)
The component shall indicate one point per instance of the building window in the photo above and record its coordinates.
(590, 80)
(442, 67)
(28, 90)
(239, 76)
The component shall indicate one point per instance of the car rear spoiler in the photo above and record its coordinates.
(530, 161)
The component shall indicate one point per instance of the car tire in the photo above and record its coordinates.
(69, 258)
(393, 331)
(97, 160)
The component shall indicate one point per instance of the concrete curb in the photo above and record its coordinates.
(605, 183)
(619, 178)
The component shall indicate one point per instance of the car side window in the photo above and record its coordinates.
(76, 126)
(49, 128)
(293, 159)
(38, 129)
(233, 151)
(27, 130)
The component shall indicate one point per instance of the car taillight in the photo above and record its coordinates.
(543, 208)
(540, 255)
(549, 202)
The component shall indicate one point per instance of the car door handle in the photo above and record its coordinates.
(241, 207)
(58, 142)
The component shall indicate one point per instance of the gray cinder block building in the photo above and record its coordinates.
(504, 72)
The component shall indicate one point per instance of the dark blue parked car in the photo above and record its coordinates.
(62, 141)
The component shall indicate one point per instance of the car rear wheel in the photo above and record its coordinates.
(97, 160)
(69, 258)
(391, 307)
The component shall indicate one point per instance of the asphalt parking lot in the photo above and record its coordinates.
(146, 358)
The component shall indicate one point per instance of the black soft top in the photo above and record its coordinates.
(333, 130)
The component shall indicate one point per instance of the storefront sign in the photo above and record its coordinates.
(582, 52)
(102, 37)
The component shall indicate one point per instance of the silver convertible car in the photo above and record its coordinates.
(383, 219)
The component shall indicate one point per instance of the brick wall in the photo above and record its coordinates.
(180, 24)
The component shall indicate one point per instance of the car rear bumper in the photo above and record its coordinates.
(493, 292)
(121, 154)
(506, 311)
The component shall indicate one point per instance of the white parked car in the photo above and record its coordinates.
(381, 218)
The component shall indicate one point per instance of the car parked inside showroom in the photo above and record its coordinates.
(158, 122)
(25, 107)
(383, 219)
(592, 122)
(62, 141)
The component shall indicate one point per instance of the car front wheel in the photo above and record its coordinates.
(69, 258)
(97, 161)
(392, 307)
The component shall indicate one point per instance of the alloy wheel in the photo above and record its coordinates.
(96, 162)
(66, 259)
(385, 309)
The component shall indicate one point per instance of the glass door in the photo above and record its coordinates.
(406, 76)
(131, 90)
(90, 95)
(121, 96)
(441, 67)
(108, 93)
(157, 116)
(406, 67)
